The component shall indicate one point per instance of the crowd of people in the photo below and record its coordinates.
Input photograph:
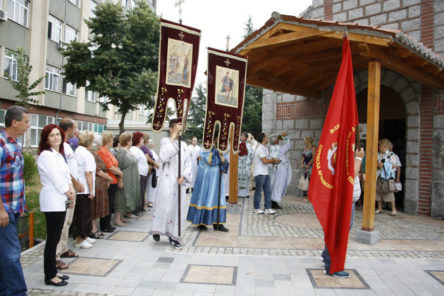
(89, 181)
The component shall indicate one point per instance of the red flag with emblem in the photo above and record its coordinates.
(331, 183)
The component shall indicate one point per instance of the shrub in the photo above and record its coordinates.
(30, 168)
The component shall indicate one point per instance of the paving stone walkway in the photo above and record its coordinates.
(261, 255)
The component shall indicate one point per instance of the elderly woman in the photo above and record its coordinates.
(112, 165)
(142, 163)
(308, 159)
(387, 165)
(128, 192)
(152, 164)
(100, 204)
(82, 221)
(57, 191)
(154, 174)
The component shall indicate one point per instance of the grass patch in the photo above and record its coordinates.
(32, 191)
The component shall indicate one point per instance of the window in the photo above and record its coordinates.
(92, 6)
(74, 2)
(2, 118)
(54, 29)
(11, 66)
(70, 34)
(130, 4)
(68, 88)
(52, 76)
(90, 95)
(38, 122)
(18, 11)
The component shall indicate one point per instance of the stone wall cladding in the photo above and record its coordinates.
(437, 206)
(439, 27)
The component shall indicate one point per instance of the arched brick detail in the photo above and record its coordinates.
(410, 94)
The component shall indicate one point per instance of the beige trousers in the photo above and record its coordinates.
(63, 243)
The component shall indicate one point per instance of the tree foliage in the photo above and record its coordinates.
(252, 116)
(22, 86)
(120, 60)
(196, 117)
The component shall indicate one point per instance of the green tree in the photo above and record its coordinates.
(120, 60)
(22, 86)
(196, 117)
(252, 116)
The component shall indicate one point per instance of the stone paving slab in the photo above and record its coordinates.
(395, 266)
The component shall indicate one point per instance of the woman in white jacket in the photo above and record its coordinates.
(56, 193)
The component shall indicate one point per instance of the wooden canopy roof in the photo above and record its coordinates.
(302, 56)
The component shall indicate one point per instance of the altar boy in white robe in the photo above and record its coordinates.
(281, 177)
(165, 215)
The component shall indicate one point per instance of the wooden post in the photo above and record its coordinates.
(371, 151)
(31, 229)
(234, 158)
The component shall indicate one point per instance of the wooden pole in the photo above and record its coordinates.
(233, 174)
(371, 153)
(31, 229)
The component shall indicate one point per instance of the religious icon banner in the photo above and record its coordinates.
(178, 55)
(227, 76)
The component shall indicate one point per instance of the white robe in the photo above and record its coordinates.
(282, 177)
(194, 154)
(165, 214)
(150, 190)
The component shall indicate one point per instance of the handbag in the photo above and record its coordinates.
(303, 183)
(385, 185)
(154, 179)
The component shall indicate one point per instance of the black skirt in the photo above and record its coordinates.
(82, 220)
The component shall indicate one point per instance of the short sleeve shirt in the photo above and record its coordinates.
(86, 163)
(110, 161)
(260, 168)
(12, 185)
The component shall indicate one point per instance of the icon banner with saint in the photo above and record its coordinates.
(227, 76)
(178, 55)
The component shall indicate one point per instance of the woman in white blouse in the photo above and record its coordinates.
(56, 194)
(142, 163)
(86, 165)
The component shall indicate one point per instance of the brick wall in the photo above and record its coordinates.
(426, 154)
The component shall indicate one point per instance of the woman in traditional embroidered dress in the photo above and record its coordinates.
(165, 215)
(208, 189)
(307, 160)
(127, 196)
(282, 176)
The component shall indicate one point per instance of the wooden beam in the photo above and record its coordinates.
(402, 67)
(371, 156)
(285, 38)
(285, 88)
(355, 37)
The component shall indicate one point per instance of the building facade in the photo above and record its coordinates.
(411, 114)
(41, 27)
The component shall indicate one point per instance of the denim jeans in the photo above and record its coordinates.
(326, 254)
(262, 182)
(12, 281)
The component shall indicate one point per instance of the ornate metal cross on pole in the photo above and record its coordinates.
(179, 5)
(228, 42)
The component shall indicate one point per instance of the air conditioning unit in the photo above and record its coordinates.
(61, 46)
(3, 16)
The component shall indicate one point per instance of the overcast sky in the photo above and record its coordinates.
(217, 19)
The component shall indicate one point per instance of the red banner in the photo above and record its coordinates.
(227, 76)
(331, 184)
(178, 55)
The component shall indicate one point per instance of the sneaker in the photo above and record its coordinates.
(90, 240)
(322, 259)
(269, 211)
(258, 211)
(156, 237)
(176, 244)
(340, 274)
(83, 245)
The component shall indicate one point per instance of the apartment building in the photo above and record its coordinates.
(41, 27)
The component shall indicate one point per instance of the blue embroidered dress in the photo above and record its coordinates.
(203, 205)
